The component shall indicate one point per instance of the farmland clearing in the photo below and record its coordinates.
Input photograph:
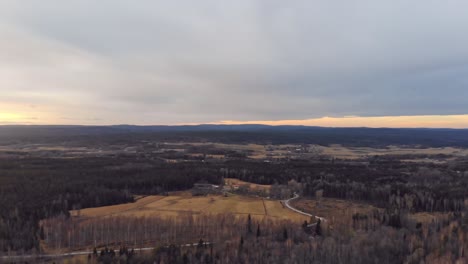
(183, 203)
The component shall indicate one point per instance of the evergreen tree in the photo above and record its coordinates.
(41, 233)
(318, 228)
(249, 224)
(241, 244)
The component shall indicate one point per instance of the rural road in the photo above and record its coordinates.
(80, 253)
(289, 206)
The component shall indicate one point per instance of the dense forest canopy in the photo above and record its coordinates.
(49, 171)
(36, 188)
(372, 137)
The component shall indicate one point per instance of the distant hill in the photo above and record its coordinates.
(244, 134)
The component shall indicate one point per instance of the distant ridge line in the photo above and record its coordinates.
(264, 134)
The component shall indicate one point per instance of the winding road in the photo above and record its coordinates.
(289, 206)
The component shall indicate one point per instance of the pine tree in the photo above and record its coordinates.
(285, 234)
(41, 233)
(249, 224)
(241, 244)
(318, 228)
(258, 231)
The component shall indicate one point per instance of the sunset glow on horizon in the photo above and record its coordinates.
(4, 117)
(431, 121)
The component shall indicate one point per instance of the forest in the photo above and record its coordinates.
(37, 193)
(375, 137)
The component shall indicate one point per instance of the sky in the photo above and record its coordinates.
(332, 63)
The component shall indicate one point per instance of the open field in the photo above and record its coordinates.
(426, 217)
(252, 186)
(176, 152)
(257, 151)
(181, 203)
(336, 208)
(341, 152)
(115, 209)
(330, 208)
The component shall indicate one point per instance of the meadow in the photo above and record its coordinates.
(183, 203)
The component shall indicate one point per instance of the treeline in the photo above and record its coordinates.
(384, 182)
(370, 137)
(429, 189)
(34, 189)
(377, 237)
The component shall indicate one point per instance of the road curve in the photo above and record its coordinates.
(290, 207)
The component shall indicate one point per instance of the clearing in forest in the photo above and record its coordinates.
(182, 203)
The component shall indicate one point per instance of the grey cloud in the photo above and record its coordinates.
(202, 61)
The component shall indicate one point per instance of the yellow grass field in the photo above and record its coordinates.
(426, 217)
(184, 203)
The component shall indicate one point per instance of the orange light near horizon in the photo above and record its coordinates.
(429, 121)
(11, 117)
(8, 118)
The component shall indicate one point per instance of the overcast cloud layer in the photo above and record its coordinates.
(166, 62)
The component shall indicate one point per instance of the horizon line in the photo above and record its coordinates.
(459, 121)
(220, 124)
